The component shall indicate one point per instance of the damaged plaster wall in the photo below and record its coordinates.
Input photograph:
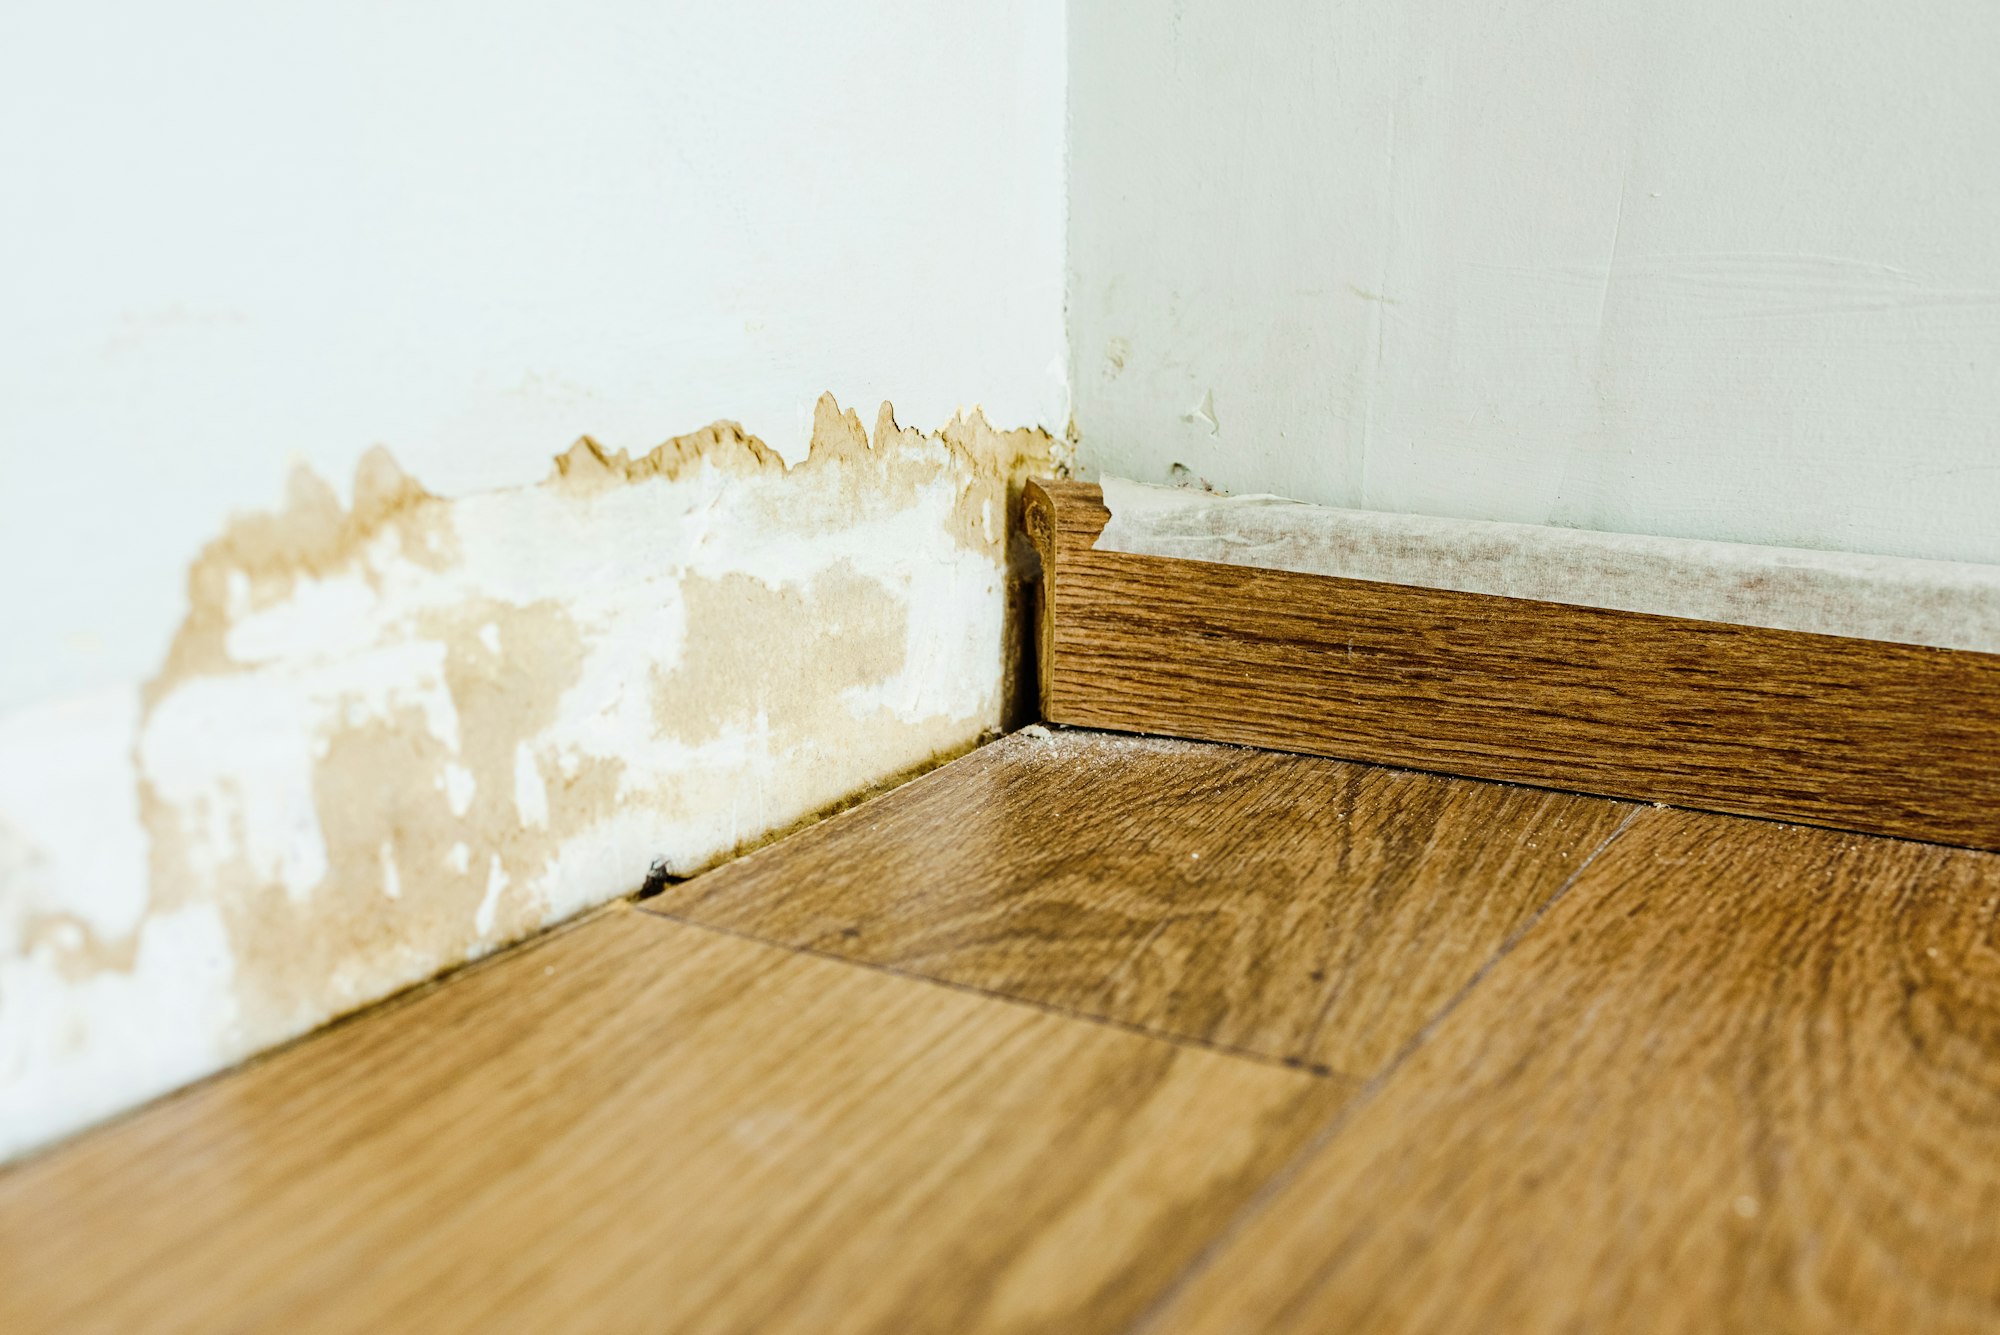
(383, 731)
(237, 233)
(1723, 269)
(394, 735)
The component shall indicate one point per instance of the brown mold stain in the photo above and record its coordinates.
(387, 819)
(784, 655)
(587, 465)
(259, 559)
(988, 466)
(778, 660)
(745, 660)
(78, 951)
(380, 803)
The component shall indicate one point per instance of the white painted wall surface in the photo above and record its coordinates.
(1723, 269)
(238, 234)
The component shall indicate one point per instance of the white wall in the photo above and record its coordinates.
(395, 735)
(1723, 269)
(240, 233)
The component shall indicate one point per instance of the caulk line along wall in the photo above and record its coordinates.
(1720, 269)
(392, 737)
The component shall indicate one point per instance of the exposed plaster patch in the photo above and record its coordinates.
(739, 630)
(393, 737)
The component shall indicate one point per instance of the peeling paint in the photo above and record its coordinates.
(393, 736)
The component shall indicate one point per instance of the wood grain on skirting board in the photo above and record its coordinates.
(1741, 1077)
(1294, 908)
(1859, 734)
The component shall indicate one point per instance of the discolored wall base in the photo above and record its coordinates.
(393, 737)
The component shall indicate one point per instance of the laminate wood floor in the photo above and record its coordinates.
(1742, 1077)
(1307, 910)
(635, 1125)
(1085, 1033)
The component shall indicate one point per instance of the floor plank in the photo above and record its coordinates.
(1298, 908)
(1742, 1077)
(638, 1125)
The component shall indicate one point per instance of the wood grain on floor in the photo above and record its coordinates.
(1742, 1077)
(1293, 907)
(637, 1125)
(1891, 738)
(1625, 1070)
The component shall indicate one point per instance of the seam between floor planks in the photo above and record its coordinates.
(1151, 1031)
(1300, 909)
(1742, 1076)
(739, 1009)
(1218, 1244)
(1012, 999)
(1269, 1190)
(1409, 830)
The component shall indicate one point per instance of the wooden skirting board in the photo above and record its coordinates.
(1865, 735)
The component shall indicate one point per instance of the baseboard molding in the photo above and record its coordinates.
(1859, 734)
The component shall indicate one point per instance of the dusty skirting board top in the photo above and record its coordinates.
(1857, 733)
(1944, 604)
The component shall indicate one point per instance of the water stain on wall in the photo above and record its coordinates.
(391, 736)
(258, 560)
(739, 629)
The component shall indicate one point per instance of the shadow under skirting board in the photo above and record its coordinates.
(1860, 734)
